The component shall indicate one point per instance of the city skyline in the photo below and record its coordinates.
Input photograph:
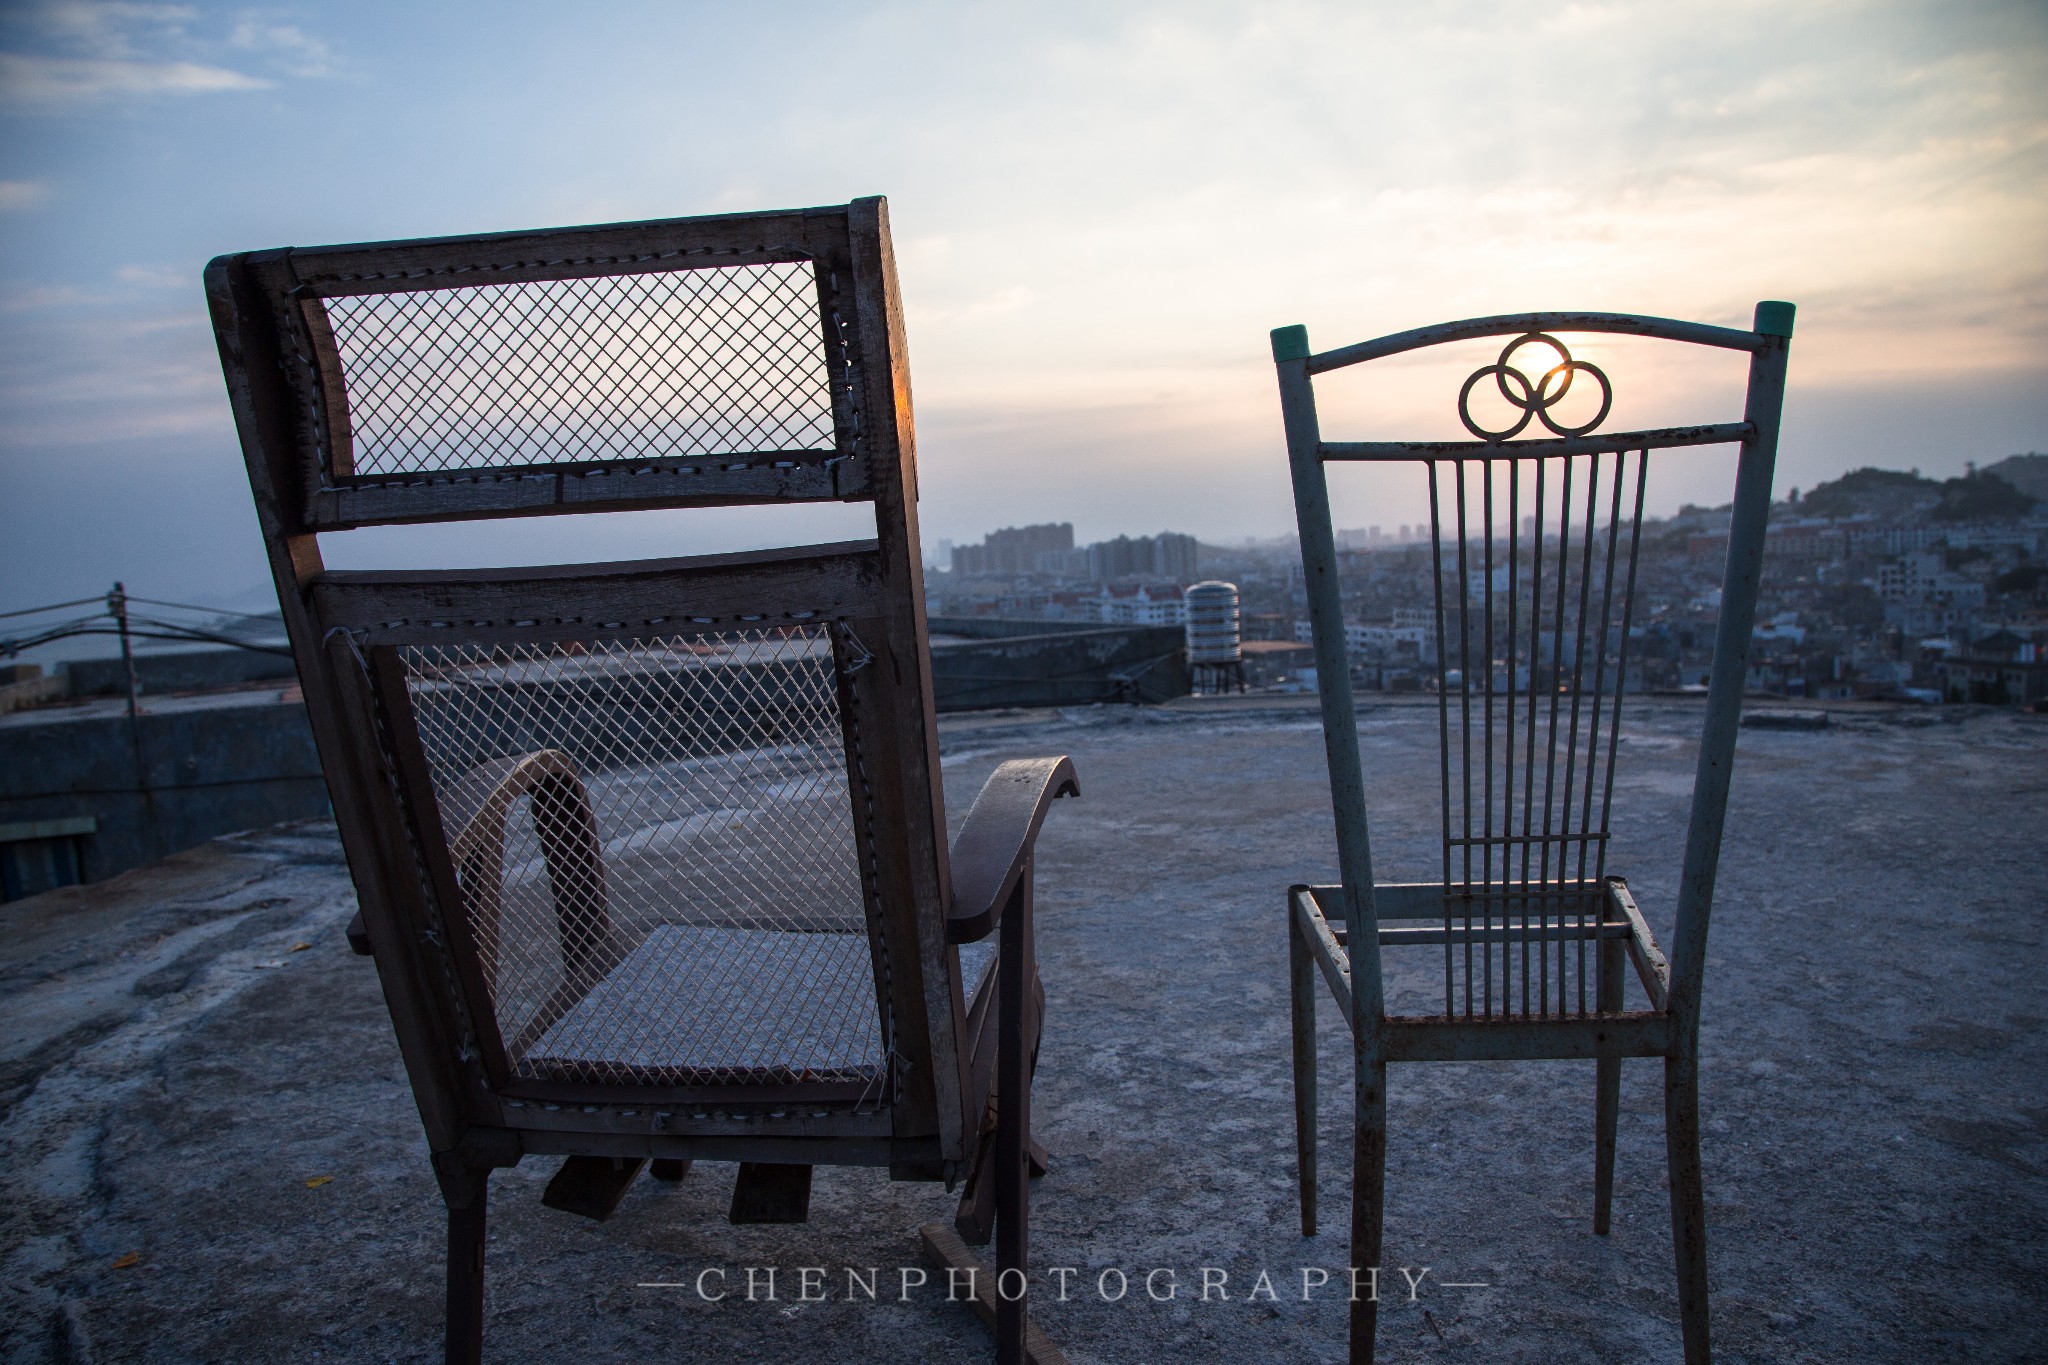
(1370, 535)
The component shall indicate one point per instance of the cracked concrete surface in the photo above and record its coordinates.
(175, 1073)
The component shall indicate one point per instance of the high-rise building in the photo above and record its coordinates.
(1014, 549)
(1049, 549)
(1166, 555)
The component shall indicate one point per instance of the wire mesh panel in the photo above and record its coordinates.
(655, 845)
(1535, 577)
(715, 360)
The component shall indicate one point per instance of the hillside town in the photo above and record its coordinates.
(1880, 584)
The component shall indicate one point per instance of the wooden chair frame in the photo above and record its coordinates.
(1325, 923)
(424, 870)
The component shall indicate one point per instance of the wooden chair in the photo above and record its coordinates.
(651, 855)
(1534, 548)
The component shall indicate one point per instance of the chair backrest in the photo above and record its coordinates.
(641, 846)
(1533, 558)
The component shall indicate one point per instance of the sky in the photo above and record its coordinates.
(1100, 211)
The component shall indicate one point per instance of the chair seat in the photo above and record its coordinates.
(1512, 1024)
(681, 1009)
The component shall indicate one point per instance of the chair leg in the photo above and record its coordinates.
(1368, 1206)
(1302, 974)
(1013, 1213)
(1017, 974)
(1606, 1115)
(1607, 1090)
(466, 1191)
(1034, 1150)
(975, 1219)
(1688, 1201)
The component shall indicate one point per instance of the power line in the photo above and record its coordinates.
(187, 606)
(108, 622)
(54, 606)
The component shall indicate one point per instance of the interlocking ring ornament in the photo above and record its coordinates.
(1536, 400)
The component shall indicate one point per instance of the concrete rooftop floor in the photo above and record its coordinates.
(175, 1074)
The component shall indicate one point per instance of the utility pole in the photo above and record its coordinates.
(117, 606)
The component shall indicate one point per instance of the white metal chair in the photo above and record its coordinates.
(1532, 638)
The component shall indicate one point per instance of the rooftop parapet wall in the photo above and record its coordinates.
(188, 769)
(193, 767)
(1053, 663)
(183, 671)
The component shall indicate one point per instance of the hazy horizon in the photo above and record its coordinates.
(1099, 214)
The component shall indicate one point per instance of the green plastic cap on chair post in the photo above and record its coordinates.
(1774, 318)
(1290, 343)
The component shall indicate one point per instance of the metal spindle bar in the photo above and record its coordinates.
(1519, 839)
(1599, 696)
(1507, 810)
(1628, 600)
(1600, 659)
(1569, 895)
(1564, 545)
(1443, 722)
(1596, 443)
(1562, 926)
(1486, 662)
(1535, 665)
(1557, 891)
(1465, 715)
(1571, 750)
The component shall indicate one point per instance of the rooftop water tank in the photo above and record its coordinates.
(1212, 623)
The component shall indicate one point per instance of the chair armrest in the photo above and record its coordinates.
(995, 841)
(475, 813)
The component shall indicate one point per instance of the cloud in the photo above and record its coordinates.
(38, 80)
(110, 372)
(295, 50)
(69, 53)
(157, 276)
(103, 28)
(49, 298)
(17, 196)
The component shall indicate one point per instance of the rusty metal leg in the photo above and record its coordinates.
(1606, 1112)
(466, 1191)
(1688, 1201)
(1302, 974)
(1607, 1087)
(1368, 1207)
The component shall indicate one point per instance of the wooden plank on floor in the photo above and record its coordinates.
(948, 1252)
(771, 1192)
(592, 1185)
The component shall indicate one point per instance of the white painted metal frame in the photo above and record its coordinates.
(1326, 923)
